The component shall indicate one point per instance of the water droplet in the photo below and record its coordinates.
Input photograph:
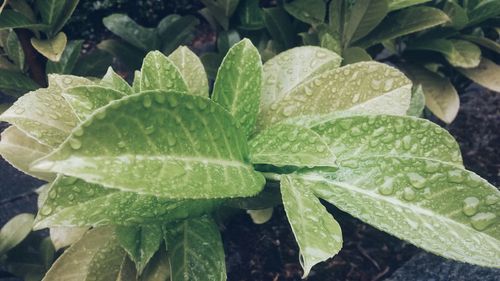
(406, 142)
(470, 206)
(455, 176)
(147, 102)
(172, 100)
(171, 139)
(67, 80)
(320, 148)
(387, 187)
(46, 210)
(481, 221)
(202, 104)
(121, 144)
(78, 132)
(491, 199)
(100, 115)
(160, 98)
(287, 111)
(75, 143)
(409, 194)
(52, 194)
(71, 197)
(416, 180)
(149, 130)
(189, 105)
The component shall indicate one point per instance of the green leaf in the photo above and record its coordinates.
(365, 87)
(279, 25)
(50, 10)
(285, 144)
(14, 231)
(63, 237)
(52, 48)
(68, 59)
(140, 242)
(14, 50)
(20, 151)
(84, 100)
(115, 82)
(483, 41)
(126, 53)
(417, 103)
(400, 4)
(457, 14)
(260, 216)
(221, 10)
(287, 70)
(484, 10)
(486, 74)
(65, 14)
(211, 62)
(309, 11)
(404, 22)
(93, 64)
(161, 143)
(13, 19)
(195, 250)
(192, 70)
(354, 55)
(158, 269)
(98, 255)
(159, 73)
(439, 207)
(175, 30)
(16, 81)
(250, 15)
(350, 138)
(440, 96)
(363, 17)
(128, 30)
(136, 84)
(226, 39)
(318, 234)
(75, 203)
(238, 85)
(466, 54)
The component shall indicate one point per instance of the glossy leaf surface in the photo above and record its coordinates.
(192, 70)
(140, 242)
(159, 73)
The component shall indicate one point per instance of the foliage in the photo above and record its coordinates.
(146, 165)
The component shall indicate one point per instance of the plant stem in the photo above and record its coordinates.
(36, 63)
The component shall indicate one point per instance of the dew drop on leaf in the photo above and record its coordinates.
(147, 102)
(481, 221)
(416, 180)
(387, 187)
(491, 199)
(409, 194)
(455, 176)
(75, 143)
(470, 206)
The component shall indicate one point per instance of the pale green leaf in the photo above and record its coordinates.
(400, 4)
(286, 144)
(115, 82)
(487, 74)
(84, 100)
(260, 216)
(404, 22)
(318, 234)
(192, 70)
(440, 96)
(58, 83)
(52, 48)
(287, 70)
(66, 236)
(363, 17)
(140, 242)
(238, 85)
(466, 54)
(417, 103)
(353, 137)
(439, 207)
(309, 11)
(195, 250)
(365, 87)
(159, 73)
(97, 256)
(68, 59)
(75, 203)
(14, 231)
(127, 29)
(20, 151)
(160, 143)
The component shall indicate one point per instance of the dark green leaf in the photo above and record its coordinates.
(400, 4)
(14, 50)
(93, 64)
(279, 25)
(50, 11)
(127, 29)
(16, 81)
(250, 15)
(13, 19)
(309, 11)
(175, 31)
(65, 14)
(140, 242)
(221, 10)
(362, 18)
(226, 39)
(484, 10)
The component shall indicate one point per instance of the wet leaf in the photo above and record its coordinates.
(309, 11)
(487, 74)
(128, 30)
(84, 100)
(75, 203)
(20, 151)
(238, 85)
(285, 144)
(97, 256)
(439, 207)
(63, 237)
(192, 70)
(205, 158)
(362, 88)
(68, 59)
(404, 22)
(195, 250)
(14, 231)
(140, 242)
(350, 138)
(115, 82)
(159, 73)
(318, 234)
(440, 96)
(417, 103)
(52, 48)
